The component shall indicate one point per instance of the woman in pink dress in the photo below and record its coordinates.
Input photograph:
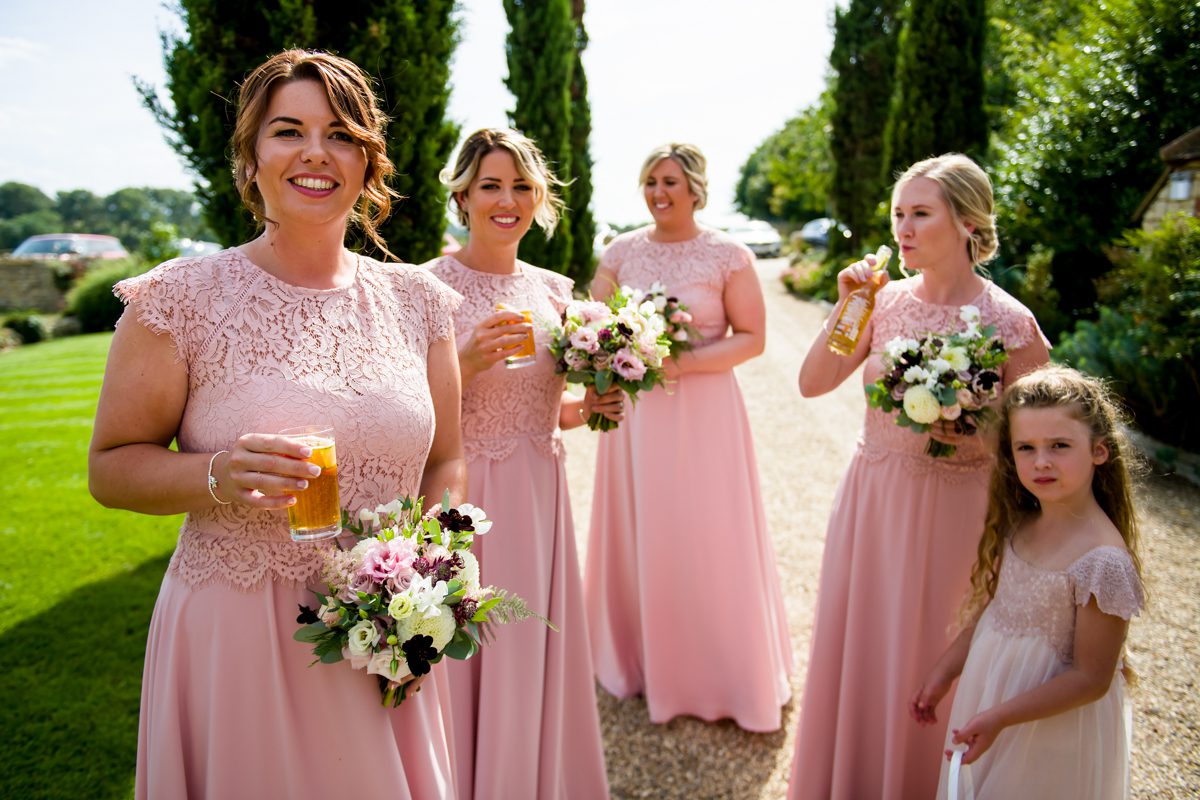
(218, 353)
(904, 528)
(683, 596)
(524, 709)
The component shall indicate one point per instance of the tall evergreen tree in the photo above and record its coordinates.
(541, 64)
(864, 61)
(579, 195)
(938, 103)
(405, 44)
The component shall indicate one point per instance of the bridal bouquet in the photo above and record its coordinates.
(943, 376)
(677, 320)
(406, 594)
(620, 342)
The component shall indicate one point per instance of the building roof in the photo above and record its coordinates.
(1185, 148)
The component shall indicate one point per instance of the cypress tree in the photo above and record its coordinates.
(406, 45)
(579, 195)
(541, 53)
(938, 104)
(863, 59)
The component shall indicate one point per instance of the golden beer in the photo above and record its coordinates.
(317, 513)
(528, 352)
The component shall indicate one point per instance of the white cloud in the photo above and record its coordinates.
(14, 50)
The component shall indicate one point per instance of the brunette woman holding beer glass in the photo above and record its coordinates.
(219, 353)
(525, 720)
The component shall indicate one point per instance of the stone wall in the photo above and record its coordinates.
(29, 286)
(1162, 205)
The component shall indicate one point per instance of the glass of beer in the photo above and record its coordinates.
(317, 512)
(528, 352)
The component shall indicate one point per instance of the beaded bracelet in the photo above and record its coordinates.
(212, 480)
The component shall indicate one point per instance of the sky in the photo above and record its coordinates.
(723, 76)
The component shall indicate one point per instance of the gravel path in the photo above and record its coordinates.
(803, 447)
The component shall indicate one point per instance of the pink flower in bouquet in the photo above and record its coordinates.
(359, 582)
(626, 364)
(680, 318)
(585, 339)
(576, 360)
(966, 398)
(593, 311)
(952, 412)
(391, 562)
(680, 335)
(381, 664)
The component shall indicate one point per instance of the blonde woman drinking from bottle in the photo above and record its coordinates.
(902, 535)
(524, 710)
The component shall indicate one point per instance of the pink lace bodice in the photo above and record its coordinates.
(898, 312)
(501, 406)
(263, 355)
(1032, 601)
(695, 271)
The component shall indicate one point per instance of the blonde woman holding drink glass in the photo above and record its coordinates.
(525, 720)
(220, 354)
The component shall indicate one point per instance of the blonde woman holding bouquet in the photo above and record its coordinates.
(683, 597)
(905, 525)
(525, 718)
(220, 353)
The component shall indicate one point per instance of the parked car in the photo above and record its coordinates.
(70, 246)
(816, 231)
(761, 237)
(198, 247)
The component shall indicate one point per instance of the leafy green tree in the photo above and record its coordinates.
(938, 103)
(405, 44)
(579, 194)
(1094, 103)
(15, 230)
(21, 198)
(82, 211)
(541, 50)
(787, 177)
(863, 61)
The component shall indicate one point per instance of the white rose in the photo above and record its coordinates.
(363, 637)
(915, 374)
(958, 358)
(368, 519)
(660, 303)
(921, 406)
(400, 607)
(939, 365)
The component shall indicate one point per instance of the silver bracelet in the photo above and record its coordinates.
(212, 480)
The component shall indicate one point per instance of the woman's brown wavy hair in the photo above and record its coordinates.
(353, 102)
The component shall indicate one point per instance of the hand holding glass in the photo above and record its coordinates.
(317, 512)
(528, 352)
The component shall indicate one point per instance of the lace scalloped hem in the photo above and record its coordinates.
(501, 447)
(243, 565)
(975, 470)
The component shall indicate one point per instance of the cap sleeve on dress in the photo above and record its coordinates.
(1015, 324)
(739, 258)
(1108, 574)
(614, 256)
(163, 300)
(440, 304)
(559, 289)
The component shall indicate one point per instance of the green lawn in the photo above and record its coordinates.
(77, 585)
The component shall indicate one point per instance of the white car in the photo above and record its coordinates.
(761, 237)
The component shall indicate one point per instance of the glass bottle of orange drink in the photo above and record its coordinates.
(317, 512)
(851, 320)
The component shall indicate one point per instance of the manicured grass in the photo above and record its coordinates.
(77, 585)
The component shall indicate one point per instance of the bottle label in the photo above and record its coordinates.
(847, 321)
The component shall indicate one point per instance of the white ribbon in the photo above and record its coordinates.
(956, 766)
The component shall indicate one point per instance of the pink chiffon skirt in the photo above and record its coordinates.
(683, 597)
(232, 709)
(524, 708)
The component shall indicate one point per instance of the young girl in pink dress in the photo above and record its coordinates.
(524, 709)
(1041, 704)
(218, 354)
(683, 597)
(904, 526)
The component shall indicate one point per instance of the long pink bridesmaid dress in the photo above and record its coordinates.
(682, 592)
(899, 547)
(230, 706)
(524, 709)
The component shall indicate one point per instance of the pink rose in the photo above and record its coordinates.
(952, 412)
(966, 398)
(576, 360)
(628, 365)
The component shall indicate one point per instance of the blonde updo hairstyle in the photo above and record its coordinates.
(967, 191)
(690, 160)
(529, 161)
(353, 102)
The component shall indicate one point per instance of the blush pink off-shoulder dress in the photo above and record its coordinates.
(1025, 637)
(901, 539)
(683, 596)
(524, 709)
(230, 706)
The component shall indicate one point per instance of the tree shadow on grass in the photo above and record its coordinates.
(70, 683)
